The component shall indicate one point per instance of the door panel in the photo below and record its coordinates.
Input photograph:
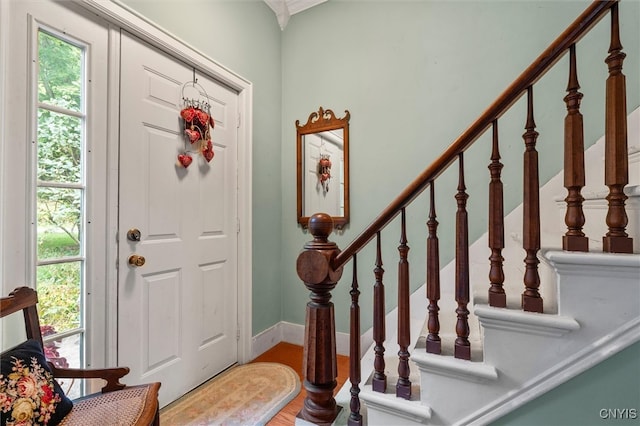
(177, 315)
(163, 333)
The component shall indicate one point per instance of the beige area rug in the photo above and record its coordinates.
(248, 394)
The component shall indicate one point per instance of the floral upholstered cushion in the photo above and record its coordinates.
(29, 395)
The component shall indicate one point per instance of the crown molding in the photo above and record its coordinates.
(284, 9)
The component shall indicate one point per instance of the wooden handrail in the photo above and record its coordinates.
(592, 15)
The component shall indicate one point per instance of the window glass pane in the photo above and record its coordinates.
(60, 72)
(60, 235)
(59, 296)
(65, 353)
(59, 230)
(59, 147)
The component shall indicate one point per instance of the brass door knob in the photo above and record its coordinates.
(133, 234)
(136, 260)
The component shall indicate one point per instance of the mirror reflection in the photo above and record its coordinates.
(323, 168)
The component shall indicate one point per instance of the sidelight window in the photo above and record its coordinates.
(60, 195)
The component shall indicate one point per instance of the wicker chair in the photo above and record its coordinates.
(117, 404)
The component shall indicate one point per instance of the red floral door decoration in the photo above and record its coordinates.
(324, 171)
(198, 124)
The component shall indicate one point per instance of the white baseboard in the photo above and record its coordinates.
(294, 333)
(265, 340)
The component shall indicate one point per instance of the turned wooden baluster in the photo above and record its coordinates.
(462, 347)
(379, 382)
(616, 174)
(319, 362)
(434, 344)
(574, 239)
(531, 300)
(403, 387)
(497, 296)
(355, 419)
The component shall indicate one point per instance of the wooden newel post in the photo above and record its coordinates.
(319, 363)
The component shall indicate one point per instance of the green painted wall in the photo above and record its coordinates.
(244, 37)
(414, 75)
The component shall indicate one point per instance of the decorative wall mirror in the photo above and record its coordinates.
(323, 167)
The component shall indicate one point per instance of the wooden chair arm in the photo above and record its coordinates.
(111, 375)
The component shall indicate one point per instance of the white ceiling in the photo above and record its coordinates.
(285, 8)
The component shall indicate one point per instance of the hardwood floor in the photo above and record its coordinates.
(291, 355)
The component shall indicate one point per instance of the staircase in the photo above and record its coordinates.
(532, 325)
(495, 383)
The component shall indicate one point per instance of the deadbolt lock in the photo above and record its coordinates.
(136, 260)
(133, 234)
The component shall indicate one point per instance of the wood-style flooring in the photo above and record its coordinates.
(291, 355)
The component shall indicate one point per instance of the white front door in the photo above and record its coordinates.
(178, 313)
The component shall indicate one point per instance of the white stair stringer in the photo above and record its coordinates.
(598, 291)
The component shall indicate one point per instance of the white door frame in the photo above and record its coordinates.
(4, 57)
(123, 18)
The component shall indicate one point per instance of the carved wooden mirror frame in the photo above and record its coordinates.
(318, 122)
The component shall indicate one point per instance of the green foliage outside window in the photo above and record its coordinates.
(59, 163)
(59, 296)
(60, 72)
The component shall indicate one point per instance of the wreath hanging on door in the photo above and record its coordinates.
(198, 123)
(324, 171)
